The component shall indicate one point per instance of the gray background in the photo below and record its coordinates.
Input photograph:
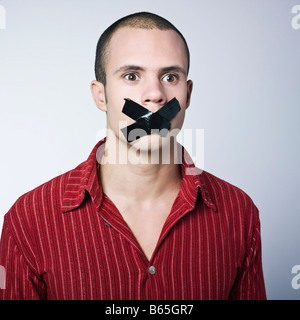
(245, 66)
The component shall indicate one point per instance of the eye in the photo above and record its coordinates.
(131, 76)
(170, 78)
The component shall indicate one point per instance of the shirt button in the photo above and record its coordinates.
(152, 270)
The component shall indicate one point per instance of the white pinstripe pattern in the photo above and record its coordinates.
(66, 240)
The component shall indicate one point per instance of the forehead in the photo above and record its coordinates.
(152, 48)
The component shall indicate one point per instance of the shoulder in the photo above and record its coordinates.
(236, 211)
(226, 196)
(33, 206)
(53, 188)
(32, 214)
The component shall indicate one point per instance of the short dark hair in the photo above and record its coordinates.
(139, 20)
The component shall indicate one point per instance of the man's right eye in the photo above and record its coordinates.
(131, 76)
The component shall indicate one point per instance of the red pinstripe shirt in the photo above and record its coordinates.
(66, 240)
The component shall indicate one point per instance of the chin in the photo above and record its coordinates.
(148, 143)
(153, 148)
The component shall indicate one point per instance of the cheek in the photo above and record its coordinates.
(116, 119)
(115, 103)
(177, 122)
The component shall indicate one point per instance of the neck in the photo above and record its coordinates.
(139, 175)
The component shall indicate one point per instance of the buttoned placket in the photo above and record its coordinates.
(150, 267)
(149, 279)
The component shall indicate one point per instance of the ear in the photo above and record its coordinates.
(98, 93)
(189, 92)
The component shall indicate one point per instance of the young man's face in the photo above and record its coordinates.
(149, 67)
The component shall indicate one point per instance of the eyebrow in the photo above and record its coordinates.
(128, 68)
(162, 70)
(174, 69)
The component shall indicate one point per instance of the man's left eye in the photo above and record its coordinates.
(170, 78)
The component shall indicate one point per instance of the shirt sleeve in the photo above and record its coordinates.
(249, 284)
(20, 281)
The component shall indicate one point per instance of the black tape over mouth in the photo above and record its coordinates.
(148, 122)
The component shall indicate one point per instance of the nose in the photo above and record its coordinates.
(153, 96)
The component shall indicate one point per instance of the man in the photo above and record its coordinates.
(126, 224)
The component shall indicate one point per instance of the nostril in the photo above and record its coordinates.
(160, 101)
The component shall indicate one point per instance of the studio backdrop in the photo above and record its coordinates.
(245, 105)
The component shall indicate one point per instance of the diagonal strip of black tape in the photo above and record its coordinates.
(147, 121)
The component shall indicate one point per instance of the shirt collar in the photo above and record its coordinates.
(194, 182)
(85, 179)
